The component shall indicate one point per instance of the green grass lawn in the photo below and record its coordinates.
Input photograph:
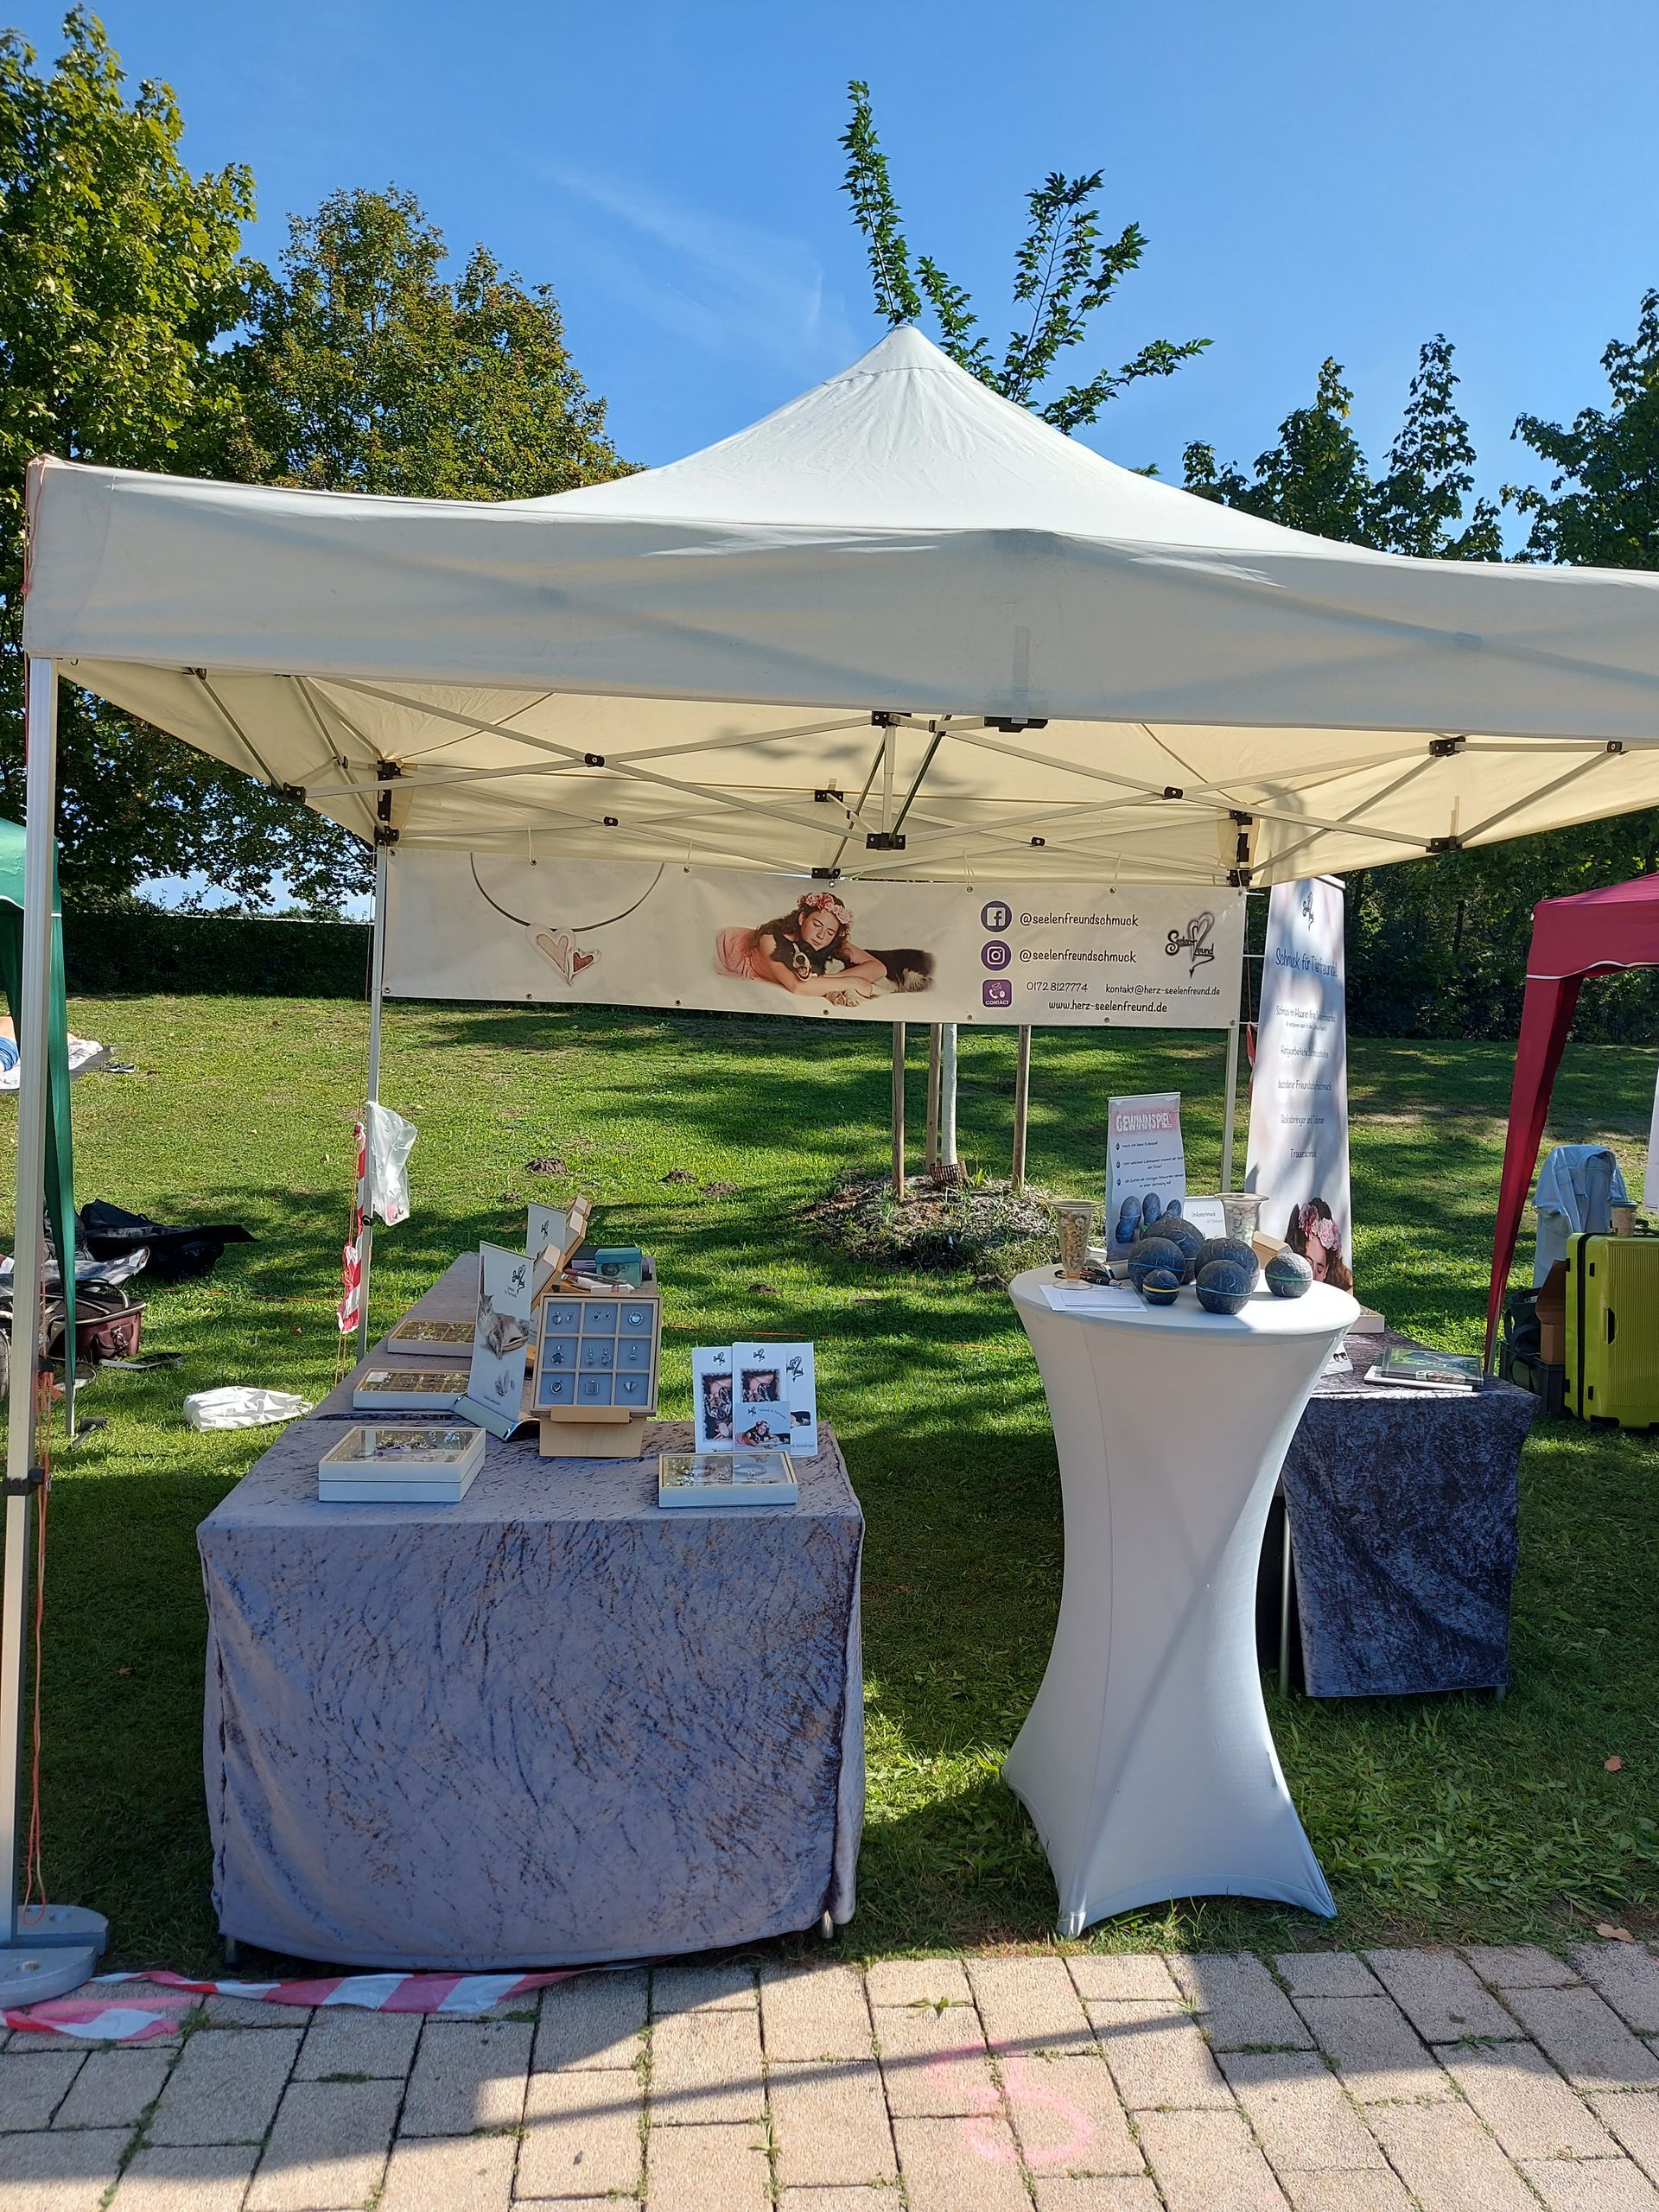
(1454, 1816)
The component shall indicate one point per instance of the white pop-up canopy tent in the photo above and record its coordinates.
(900, 628)
(1092, 671)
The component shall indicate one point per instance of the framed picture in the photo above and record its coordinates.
(501, 1334)
(711, 1398)
(755, 1397)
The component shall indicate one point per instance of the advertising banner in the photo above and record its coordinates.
(1298, 1093)
(474, 926)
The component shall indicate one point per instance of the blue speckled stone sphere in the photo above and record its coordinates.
(1288, 1274)
(1151, 1255)
(1224, 1286)
(1174, 1230)
(1236, 1250)
(1158, 1286)
(1151, 1206)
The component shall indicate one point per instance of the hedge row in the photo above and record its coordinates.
(142, 949)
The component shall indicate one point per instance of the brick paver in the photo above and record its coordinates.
(1206, 2159)
(179, 2178)
(1123, 1977)
(346, 2041)
(327, 2150)
(33, 2085)
(1633, 2119)
(1499, 2079)
(1091, 2193)
(1029, 2005)
(1526, 2104)
(1301, 2118)
(225, 2087)
(948, 2167)
(1067, 2117)
(582, 2134)
(597, 2021)
(706, 2067)
(1326, 1973)
(1592, 2185)
(1239, 2004)
(1447, 2160)
(1627, 1976)
(1440, 1996)
(933, 2063)
(1372, 2189)
(1373, 2049)
(1586, 2037)
(829, 2124)
(1158, 2055)
(815, 2013)
(450, 2173)
(1518, 1966)
(720, 2169)
(112, 2088)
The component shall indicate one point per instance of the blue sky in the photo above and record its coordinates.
(1342, 179)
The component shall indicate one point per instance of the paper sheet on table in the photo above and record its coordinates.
(1089, 1297)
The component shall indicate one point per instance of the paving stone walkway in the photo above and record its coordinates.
(1485, 2080)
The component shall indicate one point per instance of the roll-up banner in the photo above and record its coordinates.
(465, 926)
(1299, 1091)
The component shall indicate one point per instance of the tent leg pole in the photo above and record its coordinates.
(1231, 1115)
(377, 999)
(899, 1110)
(55, 1948)
(1284, 1606)
(1021, 1108)
(930, 1150)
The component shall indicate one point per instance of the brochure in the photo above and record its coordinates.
(1146, 1163)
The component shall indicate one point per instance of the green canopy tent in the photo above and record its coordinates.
(60, 1157)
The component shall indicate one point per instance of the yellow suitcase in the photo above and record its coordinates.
(1612, 1329)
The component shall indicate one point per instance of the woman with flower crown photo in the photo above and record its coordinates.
(1312, 1231)
(811, 951)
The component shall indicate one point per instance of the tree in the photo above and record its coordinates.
(365, 369)
(1065, 274)
(1317, 478)
(1601, 508)
(119, 271)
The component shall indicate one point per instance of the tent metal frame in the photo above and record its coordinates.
(46, 1950)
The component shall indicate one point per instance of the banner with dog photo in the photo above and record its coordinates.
(478, 926)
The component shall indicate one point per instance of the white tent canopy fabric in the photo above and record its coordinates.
(1073, 667)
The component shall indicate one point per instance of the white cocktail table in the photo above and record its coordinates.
(1147, 1762)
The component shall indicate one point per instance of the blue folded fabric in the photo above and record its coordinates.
(7, 1055)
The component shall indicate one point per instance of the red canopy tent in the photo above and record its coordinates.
(1593, 933)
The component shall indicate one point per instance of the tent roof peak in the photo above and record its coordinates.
(905, 438)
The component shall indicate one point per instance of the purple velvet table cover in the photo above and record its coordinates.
(1403, 1519)
(549, 1724)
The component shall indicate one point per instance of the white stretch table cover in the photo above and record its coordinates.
(1147, 1762)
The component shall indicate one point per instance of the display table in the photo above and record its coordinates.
(1403, 1520)
(549, 1724)
(1147, 1762)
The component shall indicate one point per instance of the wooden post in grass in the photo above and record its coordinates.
(899, 1110)
(1021, 1104)
(930, 1146)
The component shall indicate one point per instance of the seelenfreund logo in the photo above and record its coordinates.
(1195, 940)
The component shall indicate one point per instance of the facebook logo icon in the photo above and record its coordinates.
(996, 916)
(998, 991)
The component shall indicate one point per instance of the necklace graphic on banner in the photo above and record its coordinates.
(555, 942)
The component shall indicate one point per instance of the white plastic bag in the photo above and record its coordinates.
(240, 1405)
(390, 1139)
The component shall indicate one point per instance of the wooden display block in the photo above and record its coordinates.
(610, 1435)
